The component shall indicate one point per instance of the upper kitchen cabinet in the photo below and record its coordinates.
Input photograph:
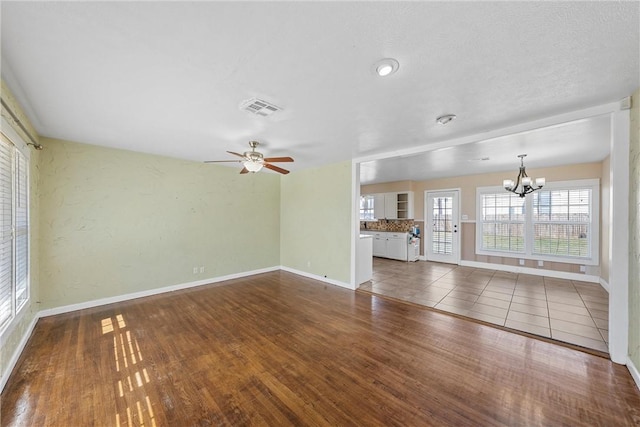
(393, 205)
(404, 205)
(379, 206)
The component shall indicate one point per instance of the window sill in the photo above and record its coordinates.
(537, 257)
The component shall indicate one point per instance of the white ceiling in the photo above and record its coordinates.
(579, 141)
(168, 77)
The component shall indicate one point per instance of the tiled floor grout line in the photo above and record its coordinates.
(590, 314)
(513, 292)
(546, 299)
(475, 283)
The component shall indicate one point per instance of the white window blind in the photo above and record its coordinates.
(6, 232)
(502, 225)
(14, 231)
(21, 229)
(561, 221)
(557, 223)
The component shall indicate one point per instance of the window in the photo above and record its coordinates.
(502, 224)
(558, 223)
(366, 207)
(14, 232)
(561, 222)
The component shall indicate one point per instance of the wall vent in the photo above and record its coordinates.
(259, 107)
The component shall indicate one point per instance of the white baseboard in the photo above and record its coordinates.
(422, 258)
(134, 295)
(316, 277)
(18, 351)
(634, 372)
(532, 271)
(605, 285)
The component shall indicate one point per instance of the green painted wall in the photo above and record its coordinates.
(115, 222)
(634, 232)
(315, 225)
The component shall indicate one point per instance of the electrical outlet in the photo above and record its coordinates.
(308, 263)
(195, 270)
(583, 269)
(521, 262)
(202, 269)
(540, 263)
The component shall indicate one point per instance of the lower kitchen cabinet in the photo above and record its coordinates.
(397, 246)
(379, 245)
(390, 245)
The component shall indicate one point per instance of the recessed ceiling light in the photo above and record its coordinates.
(443, 120)
(386, 67)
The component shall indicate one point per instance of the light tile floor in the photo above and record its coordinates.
(565, 310)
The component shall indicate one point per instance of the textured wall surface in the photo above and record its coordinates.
(316, 221)
(634, 232)
(115, 222)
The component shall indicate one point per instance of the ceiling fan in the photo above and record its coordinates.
(254, 161)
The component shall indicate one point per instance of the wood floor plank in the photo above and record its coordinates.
(280, 349)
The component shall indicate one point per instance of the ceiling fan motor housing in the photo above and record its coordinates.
(254, 156)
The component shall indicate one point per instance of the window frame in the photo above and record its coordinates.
(508, 222)
(529, 224)
(17, 145)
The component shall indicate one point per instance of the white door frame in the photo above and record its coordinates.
(455, 256)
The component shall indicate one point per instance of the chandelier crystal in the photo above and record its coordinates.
(524, 184)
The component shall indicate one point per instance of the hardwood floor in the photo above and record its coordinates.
(280, 349)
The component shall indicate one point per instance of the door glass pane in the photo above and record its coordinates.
(442, 229)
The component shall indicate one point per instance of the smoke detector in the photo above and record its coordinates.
(259, 107)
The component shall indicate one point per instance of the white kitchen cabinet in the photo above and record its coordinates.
(393, 205)
(404, 205)
(379, 206)
(397, 246)
(380, 244)
(390, 245)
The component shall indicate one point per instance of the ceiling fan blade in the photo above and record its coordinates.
(276, 168)
(244, 170)
(223, 161)
(278, 159)
(236, 154)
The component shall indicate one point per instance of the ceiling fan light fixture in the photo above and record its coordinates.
(386, 67)
(252, 166)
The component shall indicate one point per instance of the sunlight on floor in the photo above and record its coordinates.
(127, 360)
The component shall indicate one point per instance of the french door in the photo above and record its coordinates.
(442, 226)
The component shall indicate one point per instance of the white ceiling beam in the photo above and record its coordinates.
(521, 128)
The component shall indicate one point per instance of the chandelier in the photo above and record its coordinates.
(524, 184)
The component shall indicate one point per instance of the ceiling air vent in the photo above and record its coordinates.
(259, 107)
